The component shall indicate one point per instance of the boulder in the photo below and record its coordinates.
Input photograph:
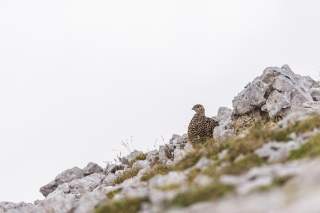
(276, 92)
(64, 177)
(92, 168)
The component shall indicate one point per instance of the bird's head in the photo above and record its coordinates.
(199, 109)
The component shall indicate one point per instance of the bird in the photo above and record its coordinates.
(200, 127)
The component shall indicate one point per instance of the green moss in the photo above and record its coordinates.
(196, 194)
(169, 187)
(121, 206)
(158, 169)
(193, 174)
(130, 173)
(246, 145)
(243, 165)
(111, 194)
(308, 150)
(277, 182)
(299, 127)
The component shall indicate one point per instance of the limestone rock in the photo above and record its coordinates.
(92, 168)
(64, 177)
(276, 91)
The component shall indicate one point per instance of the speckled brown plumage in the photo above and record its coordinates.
(200, 126)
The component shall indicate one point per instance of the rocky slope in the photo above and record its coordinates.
(263, 158)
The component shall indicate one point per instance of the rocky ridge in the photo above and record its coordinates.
(263, 158)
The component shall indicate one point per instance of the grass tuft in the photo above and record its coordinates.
(130, 173)
(310, 149)
(196, 194)
(121, 206)
(111, 194)
(158, 169)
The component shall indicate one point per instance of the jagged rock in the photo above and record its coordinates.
(69, 175)
(92, 168)
(86, 184)
(276, 91)
(64, 177)
(47, 189)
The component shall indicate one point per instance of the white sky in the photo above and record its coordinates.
(79, 76)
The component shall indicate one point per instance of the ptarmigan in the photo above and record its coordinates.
(200, 127)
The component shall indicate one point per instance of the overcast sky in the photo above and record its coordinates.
(77, 77)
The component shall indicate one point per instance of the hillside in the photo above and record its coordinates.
(263, 158)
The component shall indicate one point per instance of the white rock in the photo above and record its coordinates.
(88, 201)
(276, 91)
(86, 184)
(225, 129)
(172, 178)
(277, 151)
(92, 168)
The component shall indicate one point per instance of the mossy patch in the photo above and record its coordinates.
(243, 165)
(234, 168)
(198, 194)
(193, 174)
(158, 169)
(310, 149)
(170, 187)
(127, 174)
(111, 194)
(277, 182)
(121, 206)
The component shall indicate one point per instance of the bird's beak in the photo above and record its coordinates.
(194, 108)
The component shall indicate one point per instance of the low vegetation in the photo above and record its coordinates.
(111, 194)
(141, 156)
(310, 149)
(127, 174)
(121, 206)
(158, 169)
(197, 194)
